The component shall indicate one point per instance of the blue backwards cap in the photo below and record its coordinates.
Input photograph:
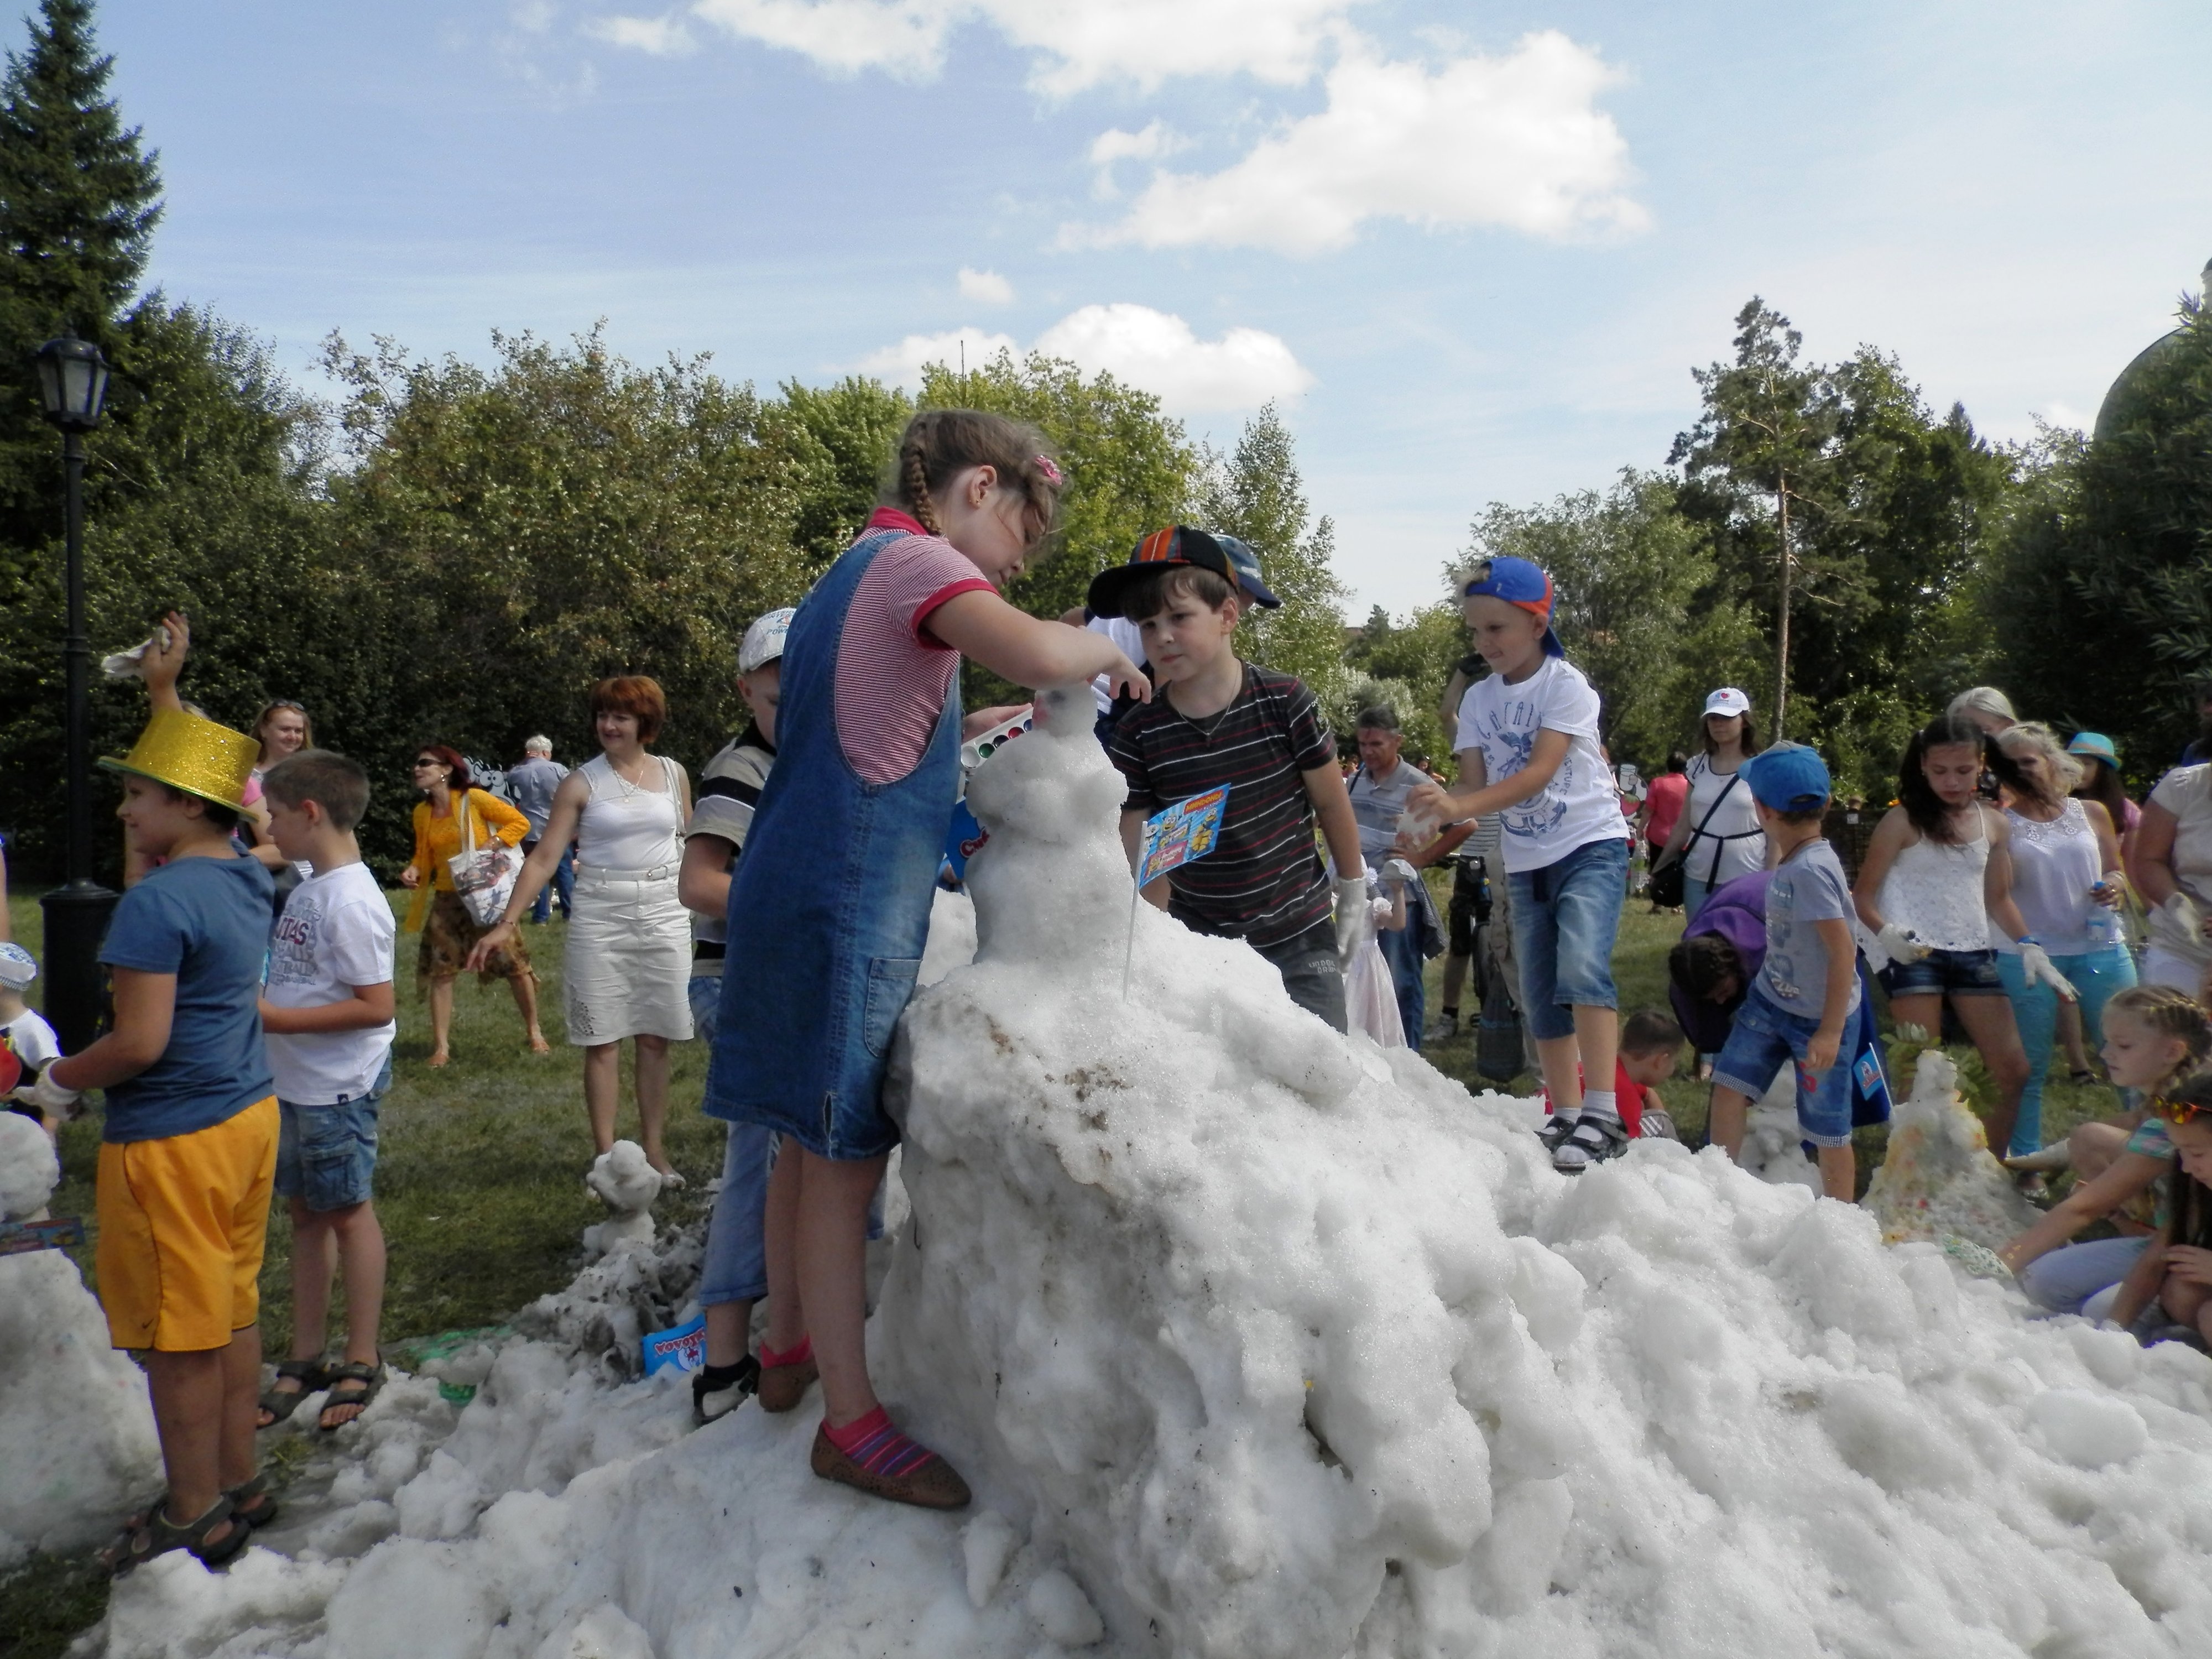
(1787, 778)
(1520, 583)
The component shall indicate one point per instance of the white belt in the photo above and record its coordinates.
(659, 873)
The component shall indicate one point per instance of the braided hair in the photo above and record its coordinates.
(2168, 1013)
(940, 444)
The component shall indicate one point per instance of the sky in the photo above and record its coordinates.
(1473, 252)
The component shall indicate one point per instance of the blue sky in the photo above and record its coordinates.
(1474, 249)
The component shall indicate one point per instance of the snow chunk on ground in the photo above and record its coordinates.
(1939, 1179)
(1258, 1341)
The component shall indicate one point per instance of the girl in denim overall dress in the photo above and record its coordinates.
(829, 905)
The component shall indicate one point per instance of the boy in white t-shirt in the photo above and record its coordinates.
(327, 1013)
(28, 1036)
(1527, 738)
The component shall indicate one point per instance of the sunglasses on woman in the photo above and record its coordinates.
(427, 760)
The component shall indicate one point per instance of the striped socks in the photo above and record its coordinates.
(877, 1447)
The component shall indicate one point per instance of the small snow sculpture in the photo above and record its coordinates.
(627, 1185)
(1939, 1179)
(29, 1172)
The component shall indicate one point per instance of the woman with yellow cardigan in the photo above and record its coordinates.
(451, 932)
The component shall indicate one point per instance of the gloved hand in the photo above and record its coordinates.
(1902, 943)
(2181, 910)
(1352, 920)
(47, 1095)
(2035, 965)
(1398, 870)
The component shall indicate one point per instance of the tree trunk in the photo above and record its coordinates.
(1782, 612)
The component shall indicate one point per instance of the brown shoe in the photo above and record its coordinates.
(782, 1387)
(930, 1483)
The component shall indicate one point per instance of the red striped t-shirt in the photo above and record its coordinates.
(892, 675)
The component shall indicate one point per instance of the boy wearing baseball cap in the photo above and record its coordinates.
(1528, 736)
(735, 1274)
(1807, 992)
(1222, 720)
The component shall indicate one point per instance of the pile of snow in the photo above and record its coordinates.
(1939, 1180)
(77, 1449)
(1254, 1341)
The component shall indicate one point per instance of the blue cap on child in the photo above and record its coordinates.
(1786, 778)
(1519, 582)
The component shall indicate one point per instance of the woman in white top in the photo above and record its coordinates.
(1717, 837)
(1937, 877)
(2067, 883)
(2172, 864)
(627, 968)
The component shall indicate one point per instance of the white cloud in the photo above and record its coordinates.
(904, 361)
(1153, 350)
(658, 37)
(1077, 43)
(1515, 141)
(1155, 142)
(985, 286)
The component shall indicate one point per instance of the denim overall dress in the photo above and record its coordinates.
(831, 900)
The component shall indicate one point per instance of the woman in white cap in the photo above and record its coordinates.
(1717, 837)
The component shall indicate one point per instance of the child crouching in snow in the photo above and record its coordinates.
(2176, 1270)
(833, 893)
(1529, 752)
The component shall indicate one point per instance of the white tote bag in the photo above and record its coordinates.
(482, 876)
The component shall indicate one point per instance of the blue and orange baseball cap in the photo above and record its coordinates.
(1520, 583)
(1224, 555)
(1786, 777)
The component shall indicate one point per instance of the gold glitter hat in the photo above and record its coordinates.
(194, 755)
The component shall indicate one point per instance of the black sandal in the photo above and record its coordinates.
(159, 1535)
(281, 1403)
(1595, 1138)
(744, 1377)
(371, 1381)
(252, 1502)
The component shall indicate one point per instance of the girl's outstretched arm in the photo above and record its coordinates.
(2143, 1281)
(1020, 648)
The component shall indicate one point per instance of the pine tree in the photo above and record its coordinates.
(79, 198)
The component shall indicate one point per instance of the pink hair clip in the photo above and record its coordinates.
(1051, 471)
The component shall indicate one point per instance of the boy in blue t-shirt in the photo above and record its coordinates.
(189, 1150)
(1806, 991)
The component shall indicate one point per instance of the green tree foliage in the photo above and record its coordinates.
(843, 434)
(1406, 666)
(1634, 606)
(78, 202)
(2102, 598)
(1256, 494)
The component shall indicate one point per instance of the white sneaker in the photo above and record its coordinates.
(1443, 1028)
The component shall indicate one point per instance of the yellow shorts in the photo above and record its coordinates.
(182, 1225)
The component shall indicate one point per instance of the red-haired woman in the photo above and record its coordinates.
(450, 934)
(628, 969)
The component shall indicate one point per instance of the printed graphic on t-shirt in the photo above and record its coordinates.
(292, 951)
(1507, 735)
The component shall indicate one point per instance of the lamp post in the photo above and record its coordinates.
(73, 381)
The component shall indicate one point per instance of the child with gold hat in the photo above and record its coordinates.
(189, 1146)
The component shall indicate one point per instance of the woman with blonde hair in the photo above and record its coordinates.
(2069, 884)
(628, 969)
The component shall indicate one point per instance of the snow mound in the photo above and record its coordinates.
(1939, 1179)
(77, 1449)
(1255, 1341)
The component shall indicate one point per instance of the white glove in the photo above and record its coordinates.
(1398, 870)
(2181, 910)
(1352, 922)
(1902, 942)
(2035, 965)
(47, 1095)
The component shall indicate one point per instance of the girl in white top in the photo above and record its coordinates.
(2067, 883)
(1717, 837)
(1938, 876)
(2172, 863)
(627, 967)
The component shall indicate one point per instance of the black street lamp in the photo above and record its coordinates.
(73, 381)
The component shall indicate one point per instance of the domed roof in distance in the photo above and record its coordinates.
(2112, 415)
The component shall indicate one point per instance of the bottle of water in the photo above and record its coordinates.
(2105, 931)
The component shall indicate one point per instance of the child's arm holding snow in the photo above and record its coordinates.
(145, 1006)
(2141, 1285)
(1022, 648)
(1843, 978)
(2127, 1175)
(1332, 805)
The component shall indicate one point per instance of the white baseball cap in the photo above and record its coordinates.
(18, 967)
(1728, 700)
(763, 640)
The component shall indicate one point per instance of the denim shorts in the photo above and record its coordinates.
(1565, 918)
(1764, 1037)
(326, 1155)
(1945, 973)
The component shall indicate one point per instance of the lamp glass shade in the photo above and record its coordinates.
(72, 382)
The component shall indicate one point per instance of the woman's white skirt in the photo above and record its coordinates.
(628, 970)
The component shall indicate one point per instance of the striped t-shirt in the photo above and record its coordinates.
(892, 675)
(1264, 881)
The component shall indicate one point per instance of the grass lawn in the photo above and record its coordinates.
(479, 1179)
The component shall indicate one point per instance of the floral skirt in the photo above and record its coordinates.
(448, 937)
